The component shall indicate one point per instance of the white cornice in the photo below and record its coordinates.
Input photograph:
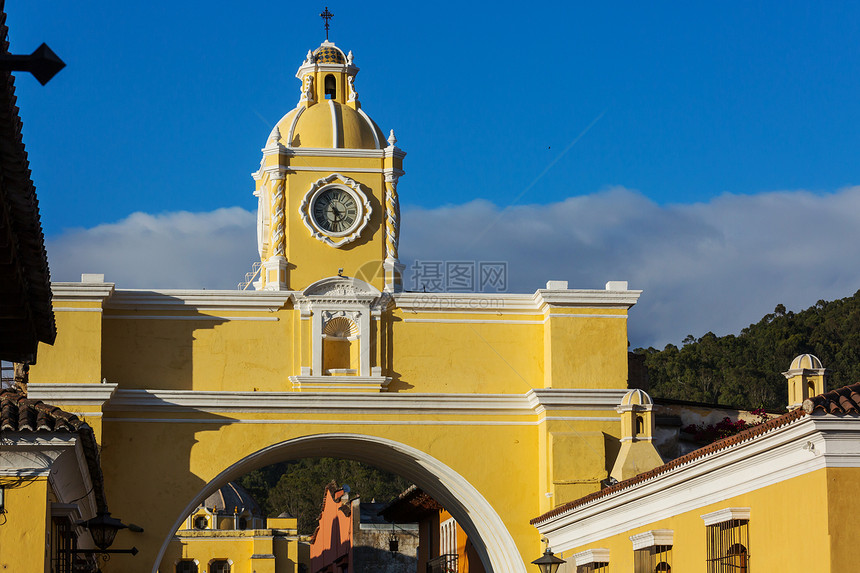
(58, 394)
(591, 556)
(586, 298)
(804, 445)
(210, 300)
(493, 303)
(346, 383)
(309, 402)
(379, 403)
(542, 399)
(332, 169)
(394, 152)
(651, 538)
(325, 152)
(727, 514)
(327, 67)
(542, 301)
(81, 292)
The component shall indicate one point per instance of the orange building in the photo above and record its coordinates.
(353, 538)
(443, 546)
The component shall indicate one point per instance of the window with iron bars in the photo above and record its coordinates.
(186, 566)
(65, 542)
(596, 567)
(443, 564)
(654, 559)
(728, 546)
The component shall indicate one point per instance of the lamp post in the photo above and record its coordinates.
(103, 530)
(548, 563)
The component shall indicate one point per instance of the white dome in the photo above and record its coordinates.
(636, 398)
(806, 362)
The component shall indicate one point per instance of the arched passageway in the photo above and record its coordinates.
(473, 512)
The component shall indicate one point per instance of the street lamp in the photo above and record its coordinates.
(103, 529)
(548, 563)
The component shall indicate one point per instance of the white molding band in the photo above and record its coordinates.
(652, 538)
(371, 125)
(64, 393)
(366, 383)
(335, 142)
(589, 556)
(333, 169)
(727, 514)
(798, 448)
(528, 404)
(197, 317)
(472, 321)
(330, 422)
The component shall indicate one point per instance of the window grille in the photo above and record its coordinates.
(596, 567)
(64, 544)
(443, 564)
(654, 559)
(219, 566)
(187, 566)
(728, 544)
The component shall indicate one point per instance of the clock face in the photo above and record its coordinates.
(335, 210)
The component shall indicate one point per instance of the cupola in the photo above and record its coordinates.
(806, 378)
(637, 453)
(328, 114)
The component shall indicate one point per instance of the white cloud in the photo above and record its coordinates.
(172, 250)
(708, 266)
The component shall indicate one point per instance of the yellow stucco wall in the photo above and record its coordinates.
(76, 354)
(789, 529)
(276, 552)
(25, 525)
(169, 456)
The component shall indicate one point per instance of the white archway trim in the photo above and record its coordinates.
(473, 512)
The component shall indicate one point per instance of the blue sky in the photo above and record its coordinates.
(163, 108)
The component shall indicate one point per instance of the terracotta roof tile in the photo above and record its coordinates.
(701, 452)
(845, 400)
(20, 414)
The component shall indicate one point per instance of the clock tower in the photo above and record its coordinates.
(327, 185)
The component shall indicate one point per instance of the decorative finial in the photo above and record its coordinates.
(349, 58)
(326, 15)
(309, 59)
(392, 139)
(275, 136)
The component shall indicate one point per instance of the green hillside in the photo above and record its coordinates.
(296, 487)
(745, 370)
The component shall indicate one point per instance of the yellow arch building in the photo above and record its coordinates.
(500, 406)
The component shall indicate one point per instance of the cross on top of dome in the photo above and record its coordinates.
(326, 15)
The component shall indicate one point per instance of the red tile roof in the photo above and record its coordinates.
(845, 400)
(412, 505)
(783, 420)
(21, 415)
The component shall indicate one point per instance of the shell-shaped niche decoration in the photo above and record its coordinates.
(341, 327)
